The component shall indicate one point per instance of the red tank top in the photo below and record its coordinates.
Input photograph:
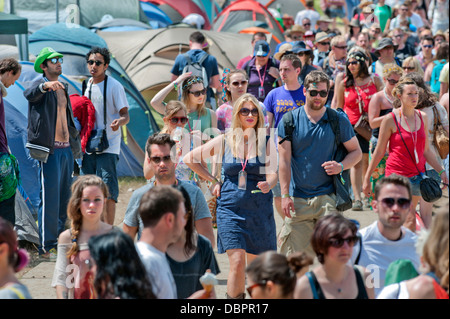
(399, 160)
(351, 105)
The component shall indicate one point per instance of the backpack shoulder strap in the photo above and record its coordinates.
(312, 282)
(188, 58)
(333, 118)
(288, 121)
(360, 250)
(203, 58)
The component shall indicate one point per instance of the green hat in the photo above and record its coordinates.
(400, 270)
(45, 54)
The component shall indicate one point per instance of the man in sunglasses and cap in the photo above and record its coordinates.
(386, 240)
(105, 93)
(306, 167)
(54, 141)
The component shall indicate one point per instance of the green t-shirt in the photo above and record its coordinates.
(383, 14)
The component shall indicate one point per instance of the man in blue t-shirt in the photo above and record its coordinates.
(308, 159)
(281, 100)
(197, 43)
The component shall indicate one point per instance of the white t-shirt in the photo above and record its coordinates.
(115, 101)
(310, 14)
(158, 271)
(395, 291)
(379, 252)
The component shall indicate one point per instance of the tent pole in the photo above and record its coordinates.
(57, 11)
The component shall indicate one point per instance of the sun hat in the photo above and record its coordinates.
(261, 48)
(299, 46)
(45, 54)
(285, 47)
(324, 18)
(322, 36)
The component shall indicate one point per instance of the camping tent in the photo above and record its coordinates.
(247, 10)
(177, 10)
(148, 56)
(74, 43)
(113, 25)
(290, 7)
(156, 17)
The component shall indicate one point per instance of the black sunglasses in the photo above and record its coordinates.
(239, 83)
(181, 119)
(245, 111)
(409, 68)
(314, 93)
(198, 93)
(402, 202)
(339, 242)
(157, 160)
(97, 63)
(56, 60)
(342, 48)
(392, 81)
(324, 43)
(305, 24)
(353, 63)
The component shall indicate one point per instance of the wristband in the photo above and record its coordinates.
(285, 196)
(175, 85)
(440, 173)
(342, 165)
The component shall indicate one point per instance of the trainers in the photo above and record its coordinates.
(51, 255)
(358, 205)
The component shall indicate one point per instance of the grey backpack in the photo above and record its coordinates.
(197, 68)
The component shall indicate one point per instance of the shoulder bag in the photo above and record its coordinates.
(98, 141)
(362, 127)
(440, 136)
(429, 188)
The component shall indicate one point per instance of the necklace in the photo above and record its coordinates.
(387, 98)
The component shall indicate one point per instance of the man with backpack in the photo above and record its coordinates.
(200, 63)
(306, 148)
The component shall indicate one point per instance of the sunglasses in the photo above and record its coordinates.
(392, 81)
(342, 48)
(324, 43)
(297, 37)
(56, 60)
(314, 93)
(353, 63)
(402, 202)
(428, 46)
(245, 111)
(305, 24)
(398, 35)
(409, 68)
(181, 119)
(259, 284)
(339, 242)
(157, 160)
(198, 93)
(239, 83)
(97, 63)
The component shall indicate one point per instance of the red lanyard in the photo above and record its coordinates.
(244, 165)
(264, 75)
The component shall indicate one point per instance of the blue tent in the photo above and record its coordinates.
(157, 18)
(75, 42)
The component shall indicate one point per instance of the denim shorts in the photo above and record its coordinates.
(276, 191)
(335, 12)
(415, 181)
(103, 165)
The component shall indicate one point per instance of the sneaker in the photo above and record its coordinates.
(358, 205)
(51, 255)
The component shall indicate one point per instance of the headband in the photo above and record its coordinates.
(194, 80)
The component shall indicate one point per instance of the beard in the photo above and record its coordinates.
(315, 107)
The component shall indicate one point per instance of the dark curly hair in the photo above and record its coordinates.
(120, 271)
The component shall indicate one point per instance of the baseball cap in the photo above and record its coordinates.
(261, 48)
(299, 46)
(45, 54)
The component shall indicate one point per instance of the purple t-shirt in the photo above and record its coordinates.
(3, 140)
(254, 81)
(280, 101)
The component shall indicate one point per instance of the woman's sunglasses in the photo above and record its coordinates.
(198, 93)
(97, 63)
(409, 68)
(339, 242)
(176, 120)
(402, 202)
(56, 60)
(258, 284)
(353, 63)
(239, 83)
(392, 81)
(314, 93)
(245, 111)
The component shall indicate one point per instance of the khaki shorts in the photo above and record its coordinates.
(295, 234)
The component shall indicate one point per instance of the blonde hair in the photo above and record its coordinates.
(436, 250)
(412, 61)
(392, 68)
(172, 108)
(73, 207)
(337, 39)
(235, 136)
(228, 79)
(399, 88)
(186, 87)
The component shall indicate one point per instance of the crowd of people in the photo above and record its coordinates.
(255, 141)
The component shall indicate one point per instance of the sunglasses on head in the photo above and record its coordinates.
(392, 81)
(56, 60)
(181, 119)
(157, 159)
(339, 242)
(198, 93)
(245, 111)
(97, 63)
(402, 202)
(314, 93)
(239, 83)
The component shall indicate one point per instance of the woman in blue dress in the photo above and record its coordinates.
(245, 221)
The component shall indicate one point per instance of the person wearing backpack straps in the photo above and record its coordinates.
(434, 69)
(308, 192)
(195, 55)
(114, 101)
